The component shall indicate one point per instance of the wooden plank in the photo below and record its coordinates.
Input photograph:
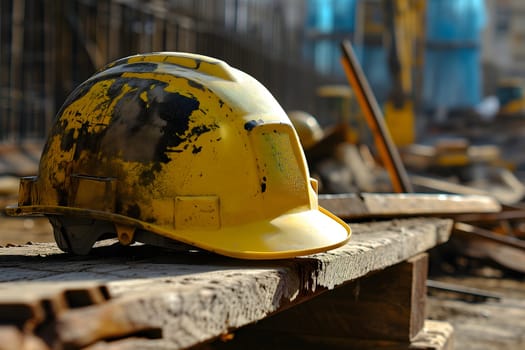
(388, 305)
(185, 298)
(30, 309)
(421, 204)
(507, 190)
(369, 205)
(484, 244)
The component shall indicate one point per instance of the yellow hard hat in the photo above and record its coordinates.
(187, 148)
(307, 128)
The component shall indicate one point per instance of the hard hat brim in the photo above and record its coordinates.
(298, 233)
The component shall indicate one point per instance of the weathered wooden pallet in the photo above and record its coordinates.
(145, 297)
(352, 206)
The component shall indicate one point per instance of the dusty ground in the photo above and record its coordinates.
(23, 230)
(485, 325)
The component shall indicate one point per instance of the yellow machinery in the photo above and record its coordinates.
(511, 94)
(400, 30)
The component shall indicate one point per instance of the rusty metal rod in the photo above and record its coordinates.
(374, 118)
(475, 292)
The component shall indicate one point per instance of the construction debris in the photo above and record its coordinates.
(155, 298)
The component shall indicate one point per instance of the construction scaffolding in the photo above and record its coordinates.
(47, 48)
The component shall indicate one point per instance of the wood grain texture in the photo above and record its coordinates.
(396, 205)
(386, 305)
(180, 299)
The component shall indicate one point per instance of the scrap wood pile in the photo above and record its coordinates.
(493, 231)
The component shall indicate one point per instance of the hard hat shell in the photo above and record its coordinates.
(186, 147)
(307, 127)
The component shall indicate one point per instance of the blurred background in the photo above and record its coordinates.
(448, 76)
(454, 55)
